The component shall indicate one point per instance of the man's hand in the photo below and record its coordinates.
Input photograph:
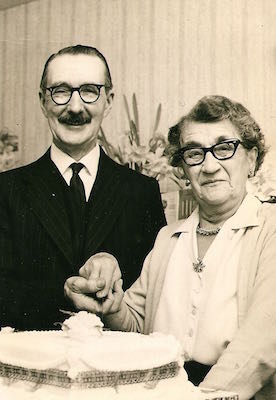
(101, 266)
(98, 289)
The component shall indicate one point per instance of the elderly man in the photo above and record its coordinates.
(73, 202)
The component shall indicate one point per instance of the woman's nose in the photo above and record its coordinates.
(75, 104)
(210, 164)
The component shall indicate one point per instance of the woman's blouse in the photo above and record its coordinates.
(200, 308)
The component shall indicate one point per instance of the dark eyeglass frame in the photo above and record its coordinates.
(76, 89)
(210, 149)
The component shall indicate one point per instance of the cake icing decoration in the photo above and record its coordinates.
(82, 325)
(6, 329)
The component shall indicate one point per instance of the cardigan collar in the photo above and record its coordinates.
(246, 216)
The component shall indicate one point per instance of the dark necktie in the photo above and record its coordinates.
(76, 184)
(78, 211)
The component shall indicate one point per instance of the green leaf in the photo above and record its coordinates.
(134, 133)
(135, 112)
(130, 134)
(157, 118)
(127, 110)
(115, 154)
(107, 146)
(119, 155)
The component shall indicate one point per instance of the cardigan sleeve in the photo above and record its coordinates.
(140, 301)
(131, 315)
(249, 361)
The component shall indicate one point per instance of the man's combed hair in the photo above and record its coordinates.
(213, 109)
(76, 50)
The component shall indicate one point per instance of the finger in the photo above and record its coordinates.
(109, 279)
(102, 265)
(110, 271)
(91, 269)
(81, 285)
(94, 285)
(118, 296)
(114, 299)
(101, 269)
(107, 303)
(80, 300)
(118, 286)
(83, 302)
(72, 284)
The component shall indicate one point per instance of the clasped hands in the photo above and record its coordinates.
(98, 288)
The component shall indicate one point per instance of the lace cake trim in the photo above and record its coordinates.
(87, 379)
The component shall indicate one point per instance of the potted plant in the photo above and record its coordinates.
(150, 159)
(8, 149)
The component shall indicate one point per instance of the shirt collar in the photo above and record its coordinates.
(245, 216)
(63, 160)
(187, 224)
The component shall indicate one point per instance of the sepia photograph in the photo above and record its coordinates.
(137, 200)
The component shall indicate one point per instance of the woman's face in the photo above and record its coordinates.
(215, 182)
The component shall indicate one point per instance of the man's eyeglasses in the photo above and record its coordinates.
(89, 93)
(221, 151)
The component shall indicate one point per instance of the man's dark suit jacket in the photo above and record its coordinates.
(36, 252)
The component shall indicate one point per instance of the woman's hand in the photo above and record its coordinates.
(98, 288)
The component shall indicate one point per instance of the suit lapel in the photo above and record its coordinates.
(106, 202)
(45, 194)
(44, 191)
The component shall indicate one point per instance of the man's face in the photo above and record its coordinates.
(75, 125)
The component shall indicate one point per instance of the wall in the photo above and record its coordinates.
(166, 51)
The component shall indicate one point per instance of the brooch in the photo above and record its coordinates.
(198, 266)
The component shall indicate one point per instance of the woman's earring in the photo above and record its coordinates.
(250, 173)
(187, 182)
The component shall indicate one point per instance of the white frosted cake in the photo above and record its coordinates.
(84, 360)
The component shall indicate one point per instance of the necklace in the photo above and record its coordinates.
(198, 266)
(207, 232)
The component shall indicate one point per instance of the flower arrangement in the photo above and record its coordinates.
(8, 149)
(149, 159)
(263, 184)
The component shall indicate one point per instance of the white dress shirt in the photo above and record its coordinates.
(200, 309)
(88, 172)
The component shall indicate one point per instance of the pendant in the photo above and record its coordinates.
(198, 266)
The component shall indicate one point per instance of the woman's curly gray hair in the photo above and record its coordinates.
(213, 109)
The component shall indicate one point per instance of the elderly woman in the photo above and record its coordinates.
(210, 280)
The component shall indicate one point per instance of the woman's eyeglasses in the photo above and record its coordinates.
(221, 151)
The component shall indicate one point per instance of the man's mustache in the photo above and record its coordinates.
(74, 119)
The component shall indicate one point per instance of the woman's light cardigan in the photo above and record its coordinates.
(248, 363)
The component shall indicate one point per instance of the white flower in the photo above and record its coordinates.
(263, 185)
(82, 325)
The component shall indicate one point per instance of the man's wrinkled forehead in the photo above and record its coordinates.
(75, 70)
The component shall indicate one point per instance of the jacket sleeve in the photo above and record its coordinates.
(131, 316)
(8, 306)
(249, 361)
